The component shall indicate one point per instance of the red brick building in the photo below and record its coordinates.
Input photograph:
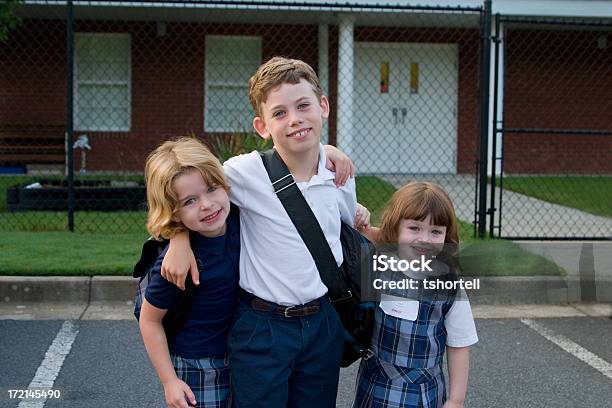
(405, 98)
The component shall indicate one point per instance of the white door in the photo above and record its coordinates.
(412, 127)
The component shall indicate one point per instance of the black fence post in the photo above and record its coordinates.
(484, 118)
(69, 111)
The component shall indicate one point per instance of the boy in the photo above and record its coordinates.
(286, 344)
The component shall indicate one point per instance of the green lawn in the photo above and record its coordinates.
(590, 194)
(68, 254)
(492, 257)
(373, 193)
(37, 243)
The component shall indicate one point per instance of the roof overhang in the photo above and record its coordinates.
(364, 13)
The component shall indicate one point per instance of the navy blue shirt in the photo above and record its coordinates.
(214, 301)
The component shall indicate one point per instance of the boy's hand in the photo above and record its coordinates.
(362, 217)
(179, 261)
(339, 163)
(179, 395)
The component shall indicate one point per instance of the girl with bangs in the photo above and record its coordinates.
(416, 326)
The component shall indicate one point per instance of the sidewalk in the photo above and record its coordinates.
(522, 215)
(123, 310)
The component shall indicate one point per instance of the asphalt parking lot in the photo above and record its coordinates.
(522, 361)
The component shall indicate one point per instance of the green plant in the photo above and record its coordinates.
(226, 146)
(8, 19)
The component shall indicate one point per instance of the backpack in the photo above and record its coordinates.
(356, 312)
(344, 284)
(174, 319)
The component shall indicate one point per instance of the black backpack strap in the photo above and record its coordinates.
(177, 320)
(172, 322)
(150, 252)
(306, 223)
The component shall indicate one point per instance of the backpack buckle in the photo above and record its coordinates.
(366, 354)
(347, 295)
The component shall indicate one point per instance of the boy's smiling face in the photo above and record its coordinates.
(293, 116)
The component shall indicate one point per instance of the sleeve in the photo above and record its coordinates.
(235, 168)
(347, 201)
(459, 323)
(161, 293)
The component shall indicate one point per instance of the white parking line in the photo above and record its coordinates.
(574, 349)
(52, 363)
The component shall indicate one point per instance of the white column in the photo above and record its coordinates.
(324, 71)
(345, 85)
(500, 100)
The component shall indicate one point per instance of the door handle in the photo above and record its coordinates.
(404, 113)
(394, 111)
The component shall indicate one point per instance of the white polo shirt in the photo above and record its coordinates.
(275, 264)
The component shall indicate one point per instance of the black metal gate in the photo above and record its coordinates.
(551, 153)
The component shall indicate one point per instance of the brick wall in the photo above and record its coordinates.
(561, 81)
(558, 80)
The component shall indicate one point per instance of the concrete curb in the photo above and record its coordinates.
(66, 288)
(522, 290)
(493, 290)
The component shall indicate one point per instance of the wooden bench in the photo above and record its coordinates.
(32, 144)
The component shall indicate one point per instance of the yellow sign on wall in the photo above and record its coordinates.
(414, 78)
(384, 77)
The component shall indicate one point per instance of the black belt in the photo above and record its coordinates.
(262, 305)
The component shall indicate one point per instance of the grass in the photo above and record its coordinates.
(589, 194)
(503, 258)
(373, 193)
(67, 254)
(37, 243)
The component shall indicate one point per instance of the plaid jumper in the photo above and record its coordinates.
(406, 369)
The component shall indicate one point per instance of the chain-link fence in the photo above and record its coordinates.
(406, 91)
(554, 129)
(402, 81)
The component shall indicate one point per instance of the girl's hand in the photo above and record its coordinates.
(179, 261)
(362, 217)
(339, 163)
(178, 394)
(453, 404)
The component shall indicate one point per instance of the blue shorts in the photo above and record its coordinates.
(208, 378)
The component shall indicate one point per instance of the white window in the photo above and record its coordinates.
(102, 82)
(230, 62)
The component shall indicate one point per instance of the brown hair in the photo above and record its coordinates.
(416, 201)
(275, 72)
(169, 161)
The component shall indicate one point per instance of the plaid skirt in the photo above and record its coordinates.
(381, 384)
(208, 379)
